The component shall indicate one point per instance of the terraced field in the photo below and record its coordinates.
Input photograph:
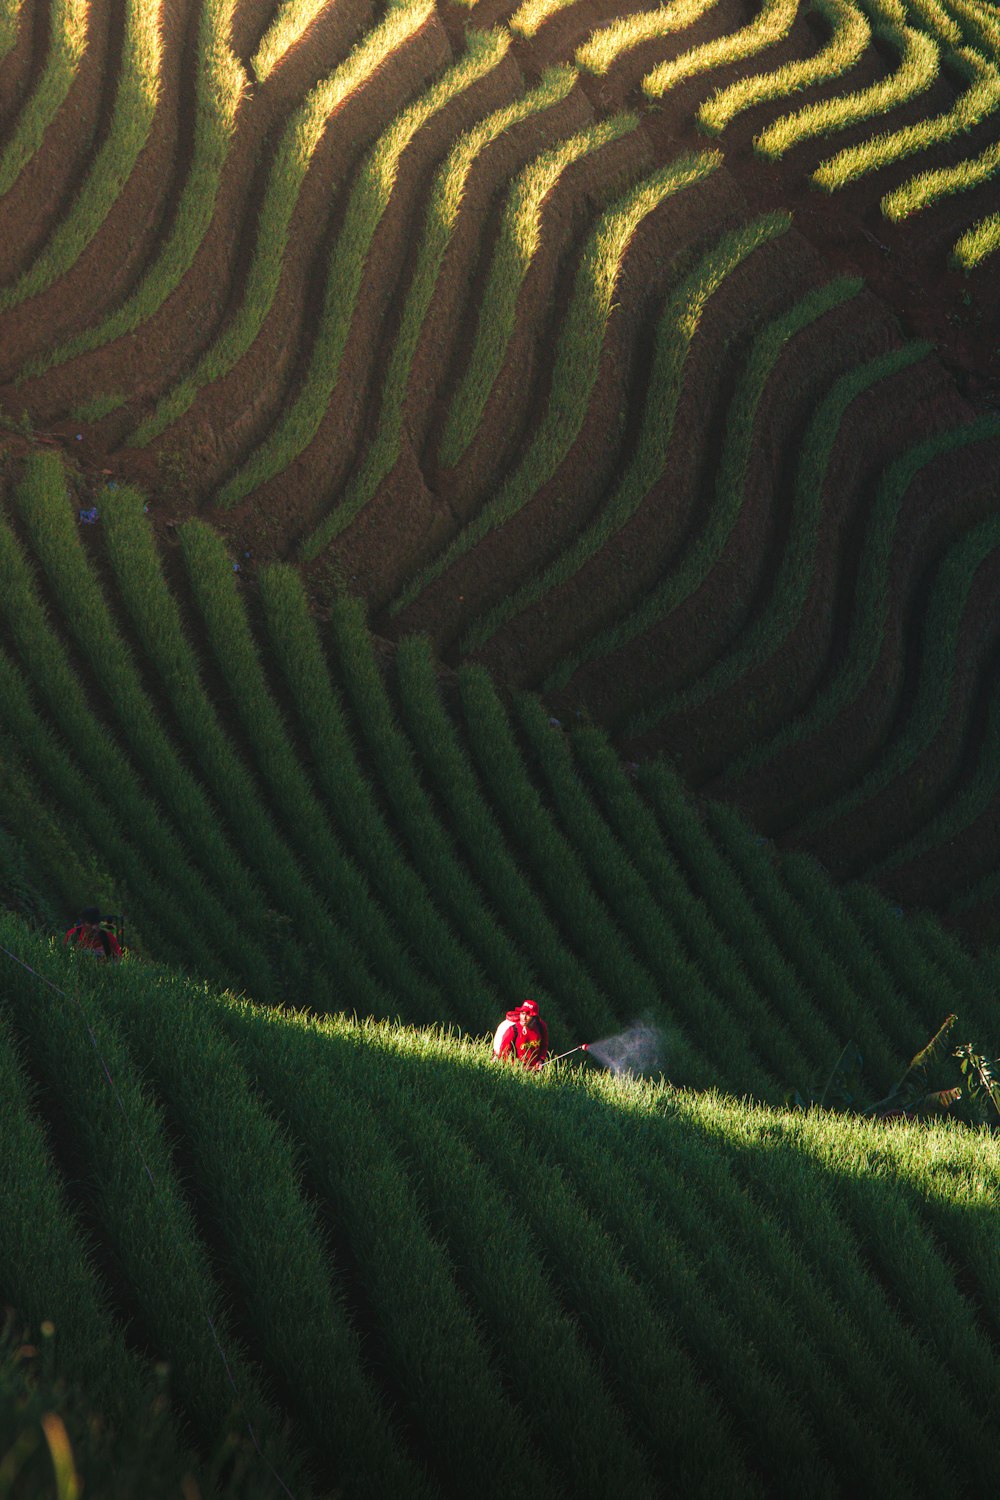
(628, 354)
(497, 501)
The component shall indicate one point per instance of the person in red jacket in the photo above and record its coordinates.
(94, 936)
(522, 1036)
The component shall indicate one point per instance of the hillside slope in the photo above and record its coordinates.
(476, 1277)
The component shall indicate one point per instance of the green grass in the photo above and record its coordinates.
(659, 1235)
(969, 801)
(871, 602)
(778, 618)
(47, 1274)
(517, 245)
(919, 64)
(351, 798)
(67, 44)
(604, 46)
(43, 506)
(942, 638)
(975, 104)
(770, 26)
(369, 199)
(485, 845)
(136, 98)
(137, 1204)
(363, 954)
(296, 148)
(117, 797)
(154, 618)
(937, 19)
(929, 188)
(676, 331)
(291, 21)
(447, 193)
(220, 83)
(850, 36)
(9, 23)
(977, 244)
(246, 1168)
(576, 360)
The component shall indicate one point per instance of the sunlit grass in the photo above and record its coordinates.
(604, 46)
(67, 44)
(851, 34)
(919, 63)
(770, 26)
(135, 101)
(978, 100)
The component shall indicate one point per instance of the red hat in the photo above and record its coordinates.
(531, 1006)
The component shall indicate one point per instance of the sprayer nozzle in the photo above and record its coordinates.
(584, 1046)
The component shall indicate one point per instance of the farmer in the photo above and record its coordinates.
(522, 1036)
(94, 936)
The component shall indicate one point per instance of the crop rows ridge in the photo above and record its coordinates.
(819, 1241)
(437, 304)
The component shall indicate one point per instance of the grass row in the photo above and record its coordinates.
(935, 18)
(116, 796)
(350, 798)
(369, 199)
(517, 245)
(658, 1235)
(429, 1335)
(545, 849)
(44, 509)
(67, 44)
(850, 36)
(9, 23)
(245, 1170)
(977, 244)
(365, 953)
(296, 148)
(732, 877)
(919, 64)
(714, 1282)
(485, 845)
(154, 616)
(445, 204)
(121, 1151)
(857, 967)
(605, 45)
(942, 641)
(871, 603)
(40, 775)
(700, 979)
(220, 85)
(291, 21)
(676, 332)
(51, 853)
(131, 120)
(928, 188)
(576, 360)
(47, 1274)
(963, 806)
(796, 566)
(979, 100)
(770, 26)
